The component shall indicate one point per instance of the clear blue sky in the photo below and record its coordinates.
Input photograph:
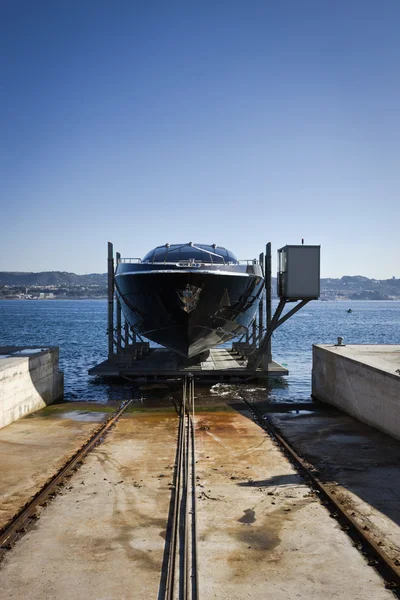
(226, 122)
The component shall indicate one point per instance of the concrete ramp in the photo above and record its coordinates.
(362, 380)
(29, 380)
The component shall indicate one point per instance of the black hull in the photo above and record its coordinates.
(189, 312)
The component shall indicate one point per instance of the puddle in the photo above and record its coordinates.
(348, 438)
(79, 415)
(248, 517)
(299, 413)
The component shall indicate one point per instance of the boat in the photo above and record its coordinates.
(189, 297)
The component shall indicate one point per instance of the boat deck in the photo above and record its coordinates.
(163, 364)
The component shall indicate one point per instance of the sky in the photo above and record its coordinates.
(229, 122)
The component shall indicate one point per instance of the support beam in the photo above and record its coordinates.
(258, 356)
(268, 294)
(119, 314)
(254, 333)
(110, 285)
(261, 318)
(291, 312)
(262, 263)
(276, 322)
(261, 305)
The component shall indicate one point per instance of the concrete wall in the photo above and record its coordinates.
(348, 377)
(28, 382)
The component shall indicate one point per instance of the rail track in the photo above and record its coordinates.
(376, 556)
(28, 513)
(180, 575)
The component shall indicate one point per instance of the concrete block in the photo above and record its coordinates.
(29, 380)
(363, 381)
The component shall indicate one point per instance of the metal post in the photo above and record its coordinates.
(261, 317)
(126, 336)
(268, 293)
(261, 355)
(254, 335)
(110, 282)
(261, 305)
(119, 314)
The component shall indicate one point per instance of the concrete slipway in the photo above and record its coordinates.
(262, 533)
(29, 380)
(34, 448)
(363, 380)
(360, 464)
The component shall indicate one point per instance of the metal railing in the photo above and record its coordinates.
(188, 263)
(180, 263)
(129, 260)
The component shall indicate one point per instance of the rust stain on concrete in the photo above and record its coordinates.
(257, 521)
(34, 448)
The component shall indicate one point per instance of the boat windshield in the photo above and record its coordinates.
(201, 253)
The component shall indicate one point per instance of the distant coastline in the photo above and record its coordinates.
(58, 298)
(60, 285)
(85, 298)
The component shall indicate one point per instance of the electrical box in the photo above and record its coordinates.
(299, 272)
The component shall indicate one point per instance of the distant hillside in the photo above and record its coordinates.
(360, 288)
(345, 288)
(44, 278)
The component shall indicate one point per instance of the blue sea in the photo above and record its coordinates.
(78, 327)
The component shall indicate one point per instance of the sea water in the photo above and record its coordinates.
(79, 328)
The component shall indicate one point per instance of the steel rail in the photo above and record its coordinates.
(185, 506)
(378, 558)
(181, 577)
(18, 524)
(195, 565)
(171, 566)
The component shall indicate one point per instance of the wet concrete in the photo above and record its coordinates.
(104, 536)
(34, 448)
(262, 533)
(360, 464)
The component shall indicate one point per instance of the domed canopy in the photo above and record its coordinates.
(201, 253)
